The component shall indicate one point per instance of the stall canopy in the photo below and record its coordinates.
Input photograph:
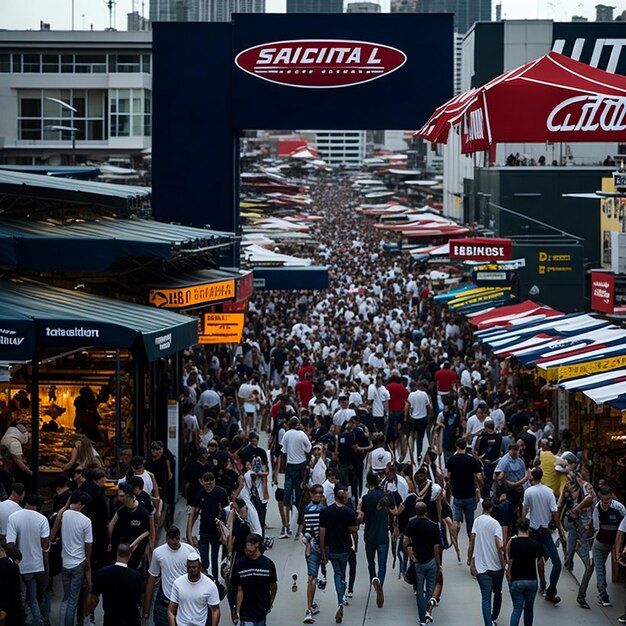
(34, 316)
(514, 314)
(605, 388)
(553, 98)
(95, 245)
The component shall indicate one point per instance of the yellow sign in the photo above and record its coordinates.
(485, 296)
(565, 372)
(194, 295)
(222, 328)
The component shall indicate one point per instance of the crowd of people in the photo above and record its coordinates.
(366, 412)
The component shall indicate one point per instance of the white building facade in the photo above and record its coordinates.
(106, 76)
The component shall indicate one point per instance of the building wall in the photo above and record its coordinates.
(314, 6)
(363, 7)
(466, 12)
(339, 147)
(107, 76)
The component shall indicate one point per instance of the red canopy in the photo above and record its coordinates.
(554, 98)
(507, 315)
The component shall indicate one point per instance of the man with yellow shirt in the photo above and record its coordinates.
(552, 477)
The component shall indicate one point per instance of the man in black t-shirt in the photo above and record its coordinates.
(193, 474)
(422, 542)
(121, 588)
(130, 524)
(209, 503)
(254, 577)
(337, 527)
(465, 476)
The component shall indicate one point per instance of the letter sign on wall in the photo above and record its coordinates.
(481, 249)
(320, 64)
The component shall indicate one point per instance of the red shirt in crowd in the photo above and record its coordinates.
(446, 379)
(304, 391)
(304, 369)
(398, 394)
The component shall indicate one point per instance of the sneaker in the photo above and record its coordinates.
(380, 596)
(283, 533)
(314, 609)
(582, 603)
(554, 599)
(289, 533)
(339, 614)
(542, 589)
(346, 600)
(604, 601)
(429, 617)
(622, 619)
(308, 617)
(434, 601)
(350, 593)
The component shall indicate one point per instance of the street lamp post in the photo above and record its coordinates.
(72, 129)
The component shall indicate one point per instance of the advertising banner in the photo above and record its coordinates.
(602, 292)
(222, 328)
(481, 249)
(565, 372)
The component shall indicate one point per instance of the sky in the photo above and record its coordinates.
(26, 14)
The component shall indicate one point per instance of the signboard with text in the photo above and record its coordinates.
(221, 328)
(192, 295)
(481, 249)
(603, 292)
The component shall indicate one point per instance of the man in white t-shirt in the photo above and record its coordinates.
(192, 595)
(344, 413)
(30, 532)
(76, 544)
(418, 408)
(11, 505)
(540, 507)
(296, 446)
(378, 399)
(486, 554)
(168, 562)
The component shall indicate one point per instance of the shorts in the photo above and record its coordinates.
(414, 424)
(313, 561)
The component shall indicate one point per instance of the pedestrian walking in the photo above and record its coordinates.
(522, 556)
(312, 551)
(465, 476)
(486, 554)
(608, 514)
(422, 541)
(373, 513)
(195, 600)
(11, 597)
(418, 410)
(168, 563)
(12, 504)
(540, 507)
(254, 576)
(121, 588)
(209, 503)
(338, 525)
(76, 552)
(29, 530)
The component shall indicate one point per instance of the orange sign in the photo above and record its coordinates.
(222, 328)
(193, 295)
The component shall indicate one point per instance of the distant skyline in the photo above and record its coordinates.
(26, 14)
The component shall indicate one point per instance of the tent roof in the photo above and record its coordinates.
(36, 315)
(94, 245)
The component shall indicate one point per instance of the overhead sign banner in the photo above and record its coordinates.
(481, 249)
(491, 278)
(193, 295)
(222, 328)
(603, 292)
(565, 372)
(321, 64)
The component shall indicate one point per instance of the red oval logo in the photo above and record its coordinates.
(320, 63)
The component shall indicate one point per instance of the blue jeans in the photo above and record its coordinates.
(490, 582)
(523, 594)
(600, 552)
(294, 473)
(425, 577)
(72, 583)
(35, 585)
(372, 551)
(213, 542)
(159, 614)
(259, 623)
(464, 507)
(339, 562)
(550, 552)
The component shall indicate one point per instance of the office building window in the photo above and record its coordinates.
(130, 112)
(43, 119)
(125, 63)
(5, 63)
(74, 63)
(32, 63)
